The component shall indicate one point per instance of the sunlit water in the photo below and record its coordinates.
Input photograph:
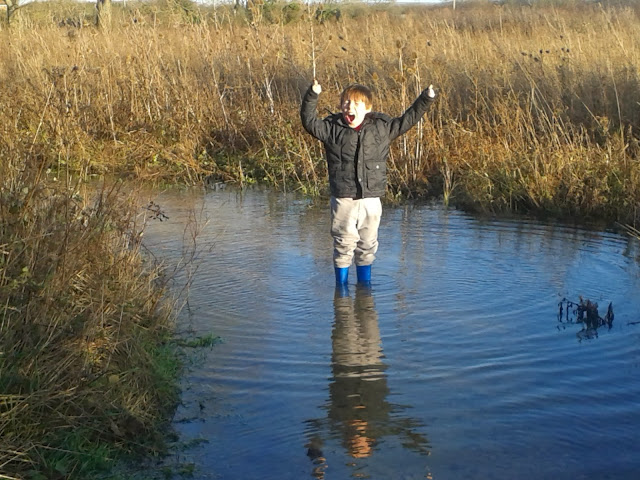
(454, 365)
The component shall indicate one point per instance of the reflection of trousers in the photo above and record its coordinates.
(354, 228)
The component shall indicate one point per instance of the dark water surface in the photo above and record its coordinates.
(454, 365)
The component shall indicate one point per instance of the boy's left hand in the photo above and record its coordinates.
(431, 92)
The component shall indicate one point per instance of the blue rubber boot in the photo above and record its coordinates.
(342, 275)
(364, 274)
(342, 285)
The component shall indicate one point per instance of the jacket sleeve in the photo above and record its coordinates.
(401, 125)
(310, 120)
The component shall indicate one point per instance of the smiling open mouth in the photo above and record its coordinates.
(349, 118)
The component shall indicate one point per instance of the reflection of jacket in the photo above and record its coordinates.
(359, 409)
(359, 412)
(357, 159)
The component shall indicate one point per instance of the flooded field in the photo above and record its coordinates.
(456, 364)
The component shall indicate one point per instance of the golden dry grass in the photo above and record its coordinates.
(538, 105)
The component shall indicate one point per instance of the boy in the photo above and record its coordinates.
(356, 143)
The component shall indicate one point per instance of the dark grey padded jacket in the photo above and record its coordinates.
(357, 159)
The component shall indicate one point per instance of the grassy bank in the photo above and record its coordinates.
(538, 106)
(88, 371)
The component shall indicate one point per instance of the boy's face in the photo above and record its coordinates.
(354, 111)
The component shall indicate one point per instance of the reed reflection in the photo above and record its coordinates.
(359, 414)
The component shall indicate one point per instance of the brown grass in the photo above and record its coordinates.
(538, 106)
(86, 371)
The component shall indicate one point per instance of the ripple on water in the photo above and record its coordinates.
(453, 364)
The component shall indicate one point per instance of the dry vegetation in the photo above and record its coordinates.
(87, 370)
(538, 107)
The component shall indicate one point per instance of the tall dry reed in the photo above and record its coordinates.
(538, 106)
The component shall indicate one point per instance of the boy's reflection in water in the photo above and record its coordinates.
(358, 412)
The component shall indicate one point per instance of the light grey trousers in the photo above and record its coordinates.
(354, 228)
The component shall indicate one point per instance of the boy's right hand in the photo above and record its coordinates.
(316, 87)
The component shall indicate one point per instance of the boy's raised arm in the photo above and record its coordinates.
(308, 114)
(400, 125)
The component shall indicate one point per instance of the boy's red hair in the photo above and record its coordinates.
(357, 92)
